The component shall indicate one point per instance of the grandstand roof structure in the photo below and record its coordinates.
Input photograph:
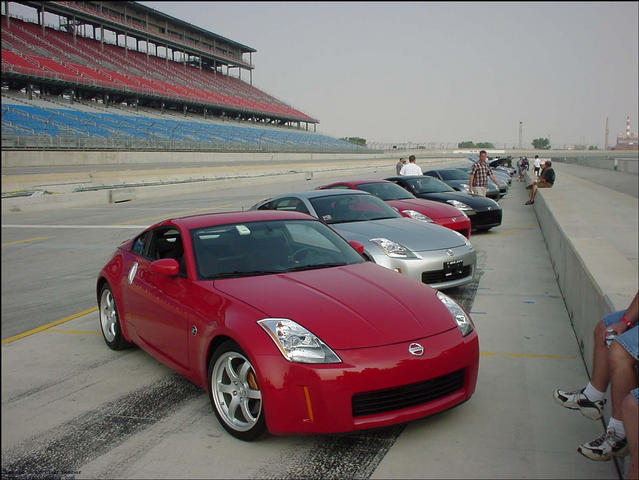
(128, 52)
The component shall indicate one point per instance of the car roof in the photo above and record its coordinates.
(321, 193)
(360, 182)
(222, 218)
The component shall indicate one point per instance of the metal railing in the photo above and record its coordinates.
(43, 142)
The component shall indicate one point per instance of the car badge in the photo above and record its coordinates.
(416, 349)
(132, 273)
(450, 253)
(489, 208)
(454, 219)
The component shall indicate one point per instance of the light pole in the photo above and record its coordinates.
(521, 127)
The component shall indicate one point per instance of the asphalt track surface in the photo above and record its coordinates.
(72, 408)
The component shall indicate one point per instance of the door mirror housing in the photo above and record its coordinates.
(166, 266)
(358, 246)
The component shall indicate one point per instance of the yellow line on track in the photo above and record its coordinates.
(26, 240)
(176, 214)
(49, 325)
(73, 332)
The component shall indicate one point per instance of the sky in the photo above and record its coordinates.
(446, 72)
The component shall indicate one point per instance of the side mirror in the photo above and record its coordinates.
(166, 266)
(358, 246)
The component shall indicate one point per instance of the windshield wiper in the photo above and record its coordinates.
(314, 266)
(242, 274)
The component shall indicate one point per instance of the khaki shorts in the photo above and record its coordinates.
(544, 185)
(479, 191)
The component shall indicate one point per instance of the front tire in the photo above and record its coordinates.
(110, 320)
(234, 392)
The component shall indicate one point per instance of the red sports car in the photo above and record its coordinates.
(409, 205)
(285, 325)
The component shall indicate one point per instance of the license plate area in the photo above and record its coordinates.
(453, 268)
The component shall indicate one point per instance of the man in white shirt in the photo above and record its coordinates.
(537, 165)
(411, 168)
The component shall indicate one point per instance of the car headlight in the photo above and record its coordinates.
(465, 187)
(418, 216)
(461, 206)
(296, 343)
(392, 249)
(463, 322)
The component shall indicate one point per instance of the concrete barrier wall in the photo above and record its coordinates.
(609, 162)
(593, 276)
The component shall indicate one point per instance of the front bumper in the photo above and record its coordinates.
(460, 224)
(353, 395)
(429, 266)
(485, 219)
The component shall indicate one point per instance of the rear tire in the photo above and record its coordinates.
(110, 320)
(234, 392)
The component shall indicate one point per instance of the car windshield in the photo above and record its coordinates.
(268, 247)
(385, 190)
(351, 208)
(453, 174)
(428, 185)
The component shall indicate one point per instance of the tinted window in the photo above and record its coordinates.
(260, 248)
(351, 208)
(385, 191)
(289, 204)
(140, 243)
(453, 174)
(428, 185)
(166, 243)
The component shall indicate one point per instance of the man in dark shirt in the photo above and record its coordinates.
(546, 180)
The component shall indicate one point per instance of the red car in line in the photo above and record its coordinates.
(285, 324)
(409, 205)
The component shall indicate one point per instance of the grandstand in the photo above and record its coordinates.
(165, 85)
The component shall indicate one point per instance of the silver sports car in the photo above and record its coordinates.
(429, 253)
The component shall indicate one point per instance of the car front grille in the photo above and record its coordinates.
(380, 401)
(487, 217)
(438, 276)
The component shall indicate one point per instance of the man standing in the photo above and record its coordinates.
(546, 180)
(399, 165)
(479, 174)
(537, 165)
(411, 168)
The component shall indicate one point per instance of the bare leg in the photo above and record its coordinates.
(622, 375)
(630, 410)
(600, 373)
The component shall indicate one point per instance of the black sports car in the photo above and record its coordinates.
(484, 213)
(458, 180)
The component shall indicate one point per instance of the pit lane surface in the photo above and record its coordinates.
(72, 407)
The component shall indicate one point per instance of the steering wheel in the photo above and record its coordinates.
(298, 254)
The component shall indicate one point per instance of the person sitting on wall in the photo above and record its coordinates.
(546, 180)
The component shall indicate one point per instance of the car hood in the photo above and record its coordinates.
(431, 208)
(355, 306)
(477, 202)
(418, 236)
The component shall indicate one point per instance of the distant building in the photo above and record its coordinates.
(627, 140)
